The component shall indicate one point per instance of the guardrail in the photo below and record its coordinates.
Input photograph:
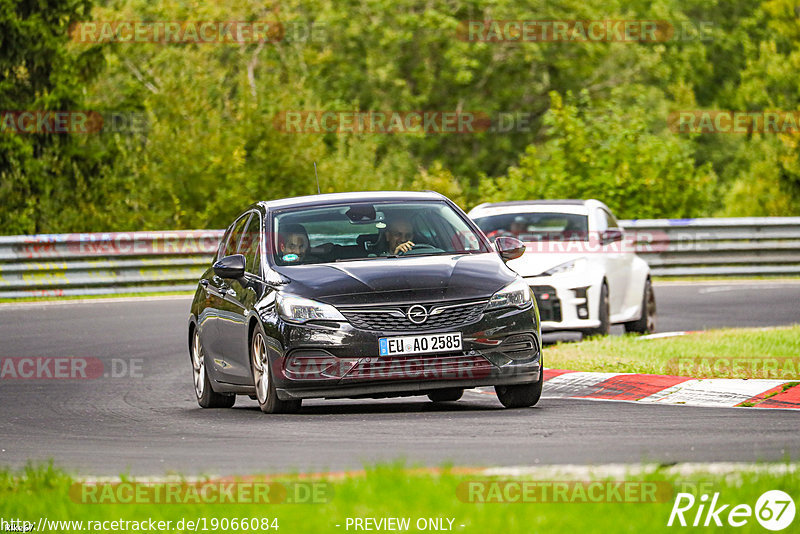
(718, 247)
(105, 263)
(135, 262)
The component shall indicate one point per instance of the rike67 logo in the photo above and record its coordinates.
(774, 510)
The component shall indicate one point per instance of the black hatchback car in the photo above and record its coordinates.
(362, 295)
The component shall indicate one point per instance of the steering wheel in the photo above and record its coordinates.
(419, 247)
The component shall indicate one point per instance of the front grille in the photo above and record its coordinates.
(548, 303)
(395, 319)
(422, 367)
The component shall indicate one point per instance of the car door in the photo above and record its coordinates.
(207, 319)
(216, 310)
(239, 299)
(618, 261)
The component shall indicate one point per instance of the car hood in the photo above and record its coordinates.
(534, 263)
(400, 280)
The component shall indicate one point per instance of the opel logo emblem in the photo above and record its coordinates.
(417, 314)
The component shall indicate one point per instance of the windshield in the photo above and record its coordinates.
(531, 227)
(365, 231)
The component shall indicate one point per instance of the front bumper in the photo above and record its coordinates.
(337, 360)
(566, 302)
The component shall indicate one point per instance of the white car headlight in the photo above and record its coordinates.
(568, 267)
(516, 294)
(299, 310)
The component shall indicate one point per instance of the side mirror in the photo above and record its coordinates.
(509, 248)
(611, 235)
(230, 267)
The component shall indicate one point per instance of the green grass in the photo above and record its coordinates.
(394, 491)
(727, 353)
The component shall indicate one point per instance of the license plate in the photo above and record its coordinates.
(391, 346)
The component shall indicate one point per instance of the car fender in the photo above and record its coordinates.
(640, 272)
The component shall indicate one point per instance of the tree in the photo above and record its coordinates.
(44, 178)
(607, 151)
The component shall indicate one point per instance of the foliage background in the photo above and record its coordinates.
(599, 110)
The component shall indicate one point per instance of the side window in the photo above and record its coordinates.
(222, 243)
(611, 222)
(250, 245)
(233, 242)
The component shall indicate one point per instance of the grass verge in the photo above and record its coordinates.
(726, 353)
(419, 495)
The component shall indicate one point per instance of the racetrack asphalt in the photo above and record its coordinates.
(149, 423)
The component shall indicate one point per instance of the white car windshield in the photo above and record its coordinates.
(532, 227)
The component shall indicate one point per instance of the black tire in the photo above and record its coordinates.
(261, 369)
(446, 395)
(603, 314)
(203, 390)
(646, 324)
(522, 395)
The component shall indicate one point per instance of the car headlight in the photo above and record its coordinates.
(299, 310)
(516, 294)
(567, 267)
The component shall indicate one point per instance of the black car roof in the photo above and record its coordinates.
(342, 198)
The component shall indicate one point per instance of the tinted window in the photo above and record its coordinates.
(611, 222)
(250, 245)
(232, 245)
(222, 242)
(363, 231)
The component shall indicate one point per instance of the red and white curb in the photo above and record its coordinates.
(678, 390)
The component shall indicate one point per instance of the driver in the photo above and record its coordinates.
(398, 236)
(518, 225)
(293, 243)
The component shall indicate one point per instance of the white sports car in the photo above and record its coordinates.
(578, 262)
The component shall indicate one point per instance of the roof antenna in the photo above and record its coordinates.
(317, 177)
